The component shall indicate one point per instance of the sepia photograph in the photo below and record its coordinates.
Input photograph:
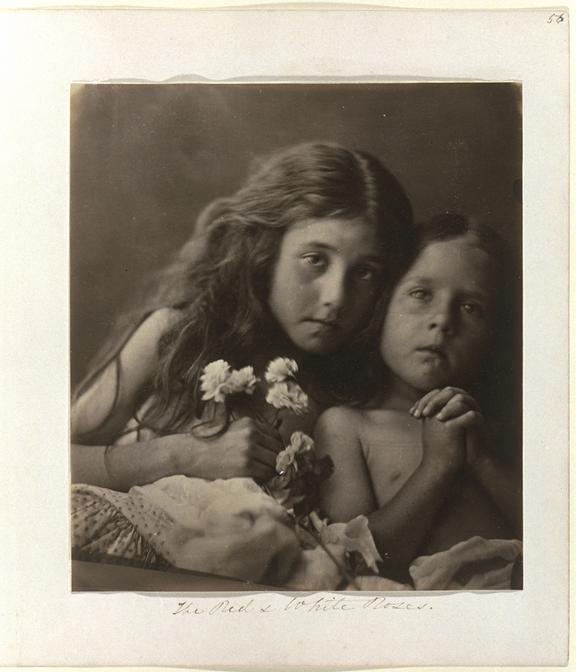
(296, 336)
(287, 353)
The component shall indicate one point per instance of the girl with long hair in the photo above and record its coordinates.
(291, 265)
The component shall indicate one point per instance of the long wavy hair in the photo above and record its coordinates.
(221, 279)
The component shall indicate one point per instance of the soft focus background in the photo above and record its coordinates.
(146, 158)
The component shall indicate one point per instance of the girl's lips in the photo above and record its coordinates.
(326, 324)
(432, 349)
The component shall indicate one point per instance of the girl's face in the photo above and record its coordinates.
(437, 328)
(325, 282)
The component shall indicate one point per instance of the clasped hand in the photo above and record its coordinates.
(452, 424)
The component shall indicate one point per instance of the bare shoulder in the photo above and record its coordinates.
(346, 418)
(140, 355)
(340, 419)
(378, 416)
(161, 321)
(107, 402)
(338, 430)
(147, 336)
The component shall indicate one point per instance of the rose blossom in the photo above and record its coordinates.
(286, 458)
(280, 369)
(288, 395)
(241, 381)
(301, 442)
(213, 380)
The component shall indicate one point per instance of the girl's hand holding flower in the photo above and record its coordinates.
(248, 448)
(291, 474)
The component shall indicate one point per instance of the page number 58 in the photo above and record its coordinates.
(556, 18)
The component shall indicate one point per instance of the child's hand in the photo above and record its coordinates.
(450, 405)
(458, 410)
(444, 444)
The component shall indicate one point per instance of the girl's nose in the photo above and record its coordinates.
(333, 289)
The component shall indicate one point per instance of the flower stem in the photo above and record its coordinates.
(277, 420)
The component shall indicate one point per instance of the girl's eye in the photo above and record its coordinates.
(314, 259)
(366, 274)
(419, 294)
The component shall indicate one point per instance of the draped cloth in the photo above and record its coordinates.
(474, 564)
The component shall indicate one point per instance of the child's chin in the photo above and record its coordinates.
(429, 384)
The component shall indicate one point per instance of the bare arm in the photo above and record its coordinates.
(102, 410)
(246, 449)
(500, 482)
(121, 467)
(348, 492)
(99, 414)
(402, 525)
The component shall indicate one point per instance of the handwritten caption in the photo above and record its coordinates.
(308, 605)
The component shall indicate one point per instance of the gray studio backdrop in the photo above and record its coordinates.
(146, 158)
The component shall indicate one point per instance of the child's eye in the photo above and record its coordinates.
(471, 308)
(314, 259)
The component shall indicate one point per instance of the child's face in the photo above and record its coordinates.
(437, 329)
(325, 281)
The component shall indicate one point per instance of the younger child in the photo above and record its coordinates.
(418, 460)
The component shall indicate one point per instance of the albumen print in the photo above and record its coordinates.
(296, 339)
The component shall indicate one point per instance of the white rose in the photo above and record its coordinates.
(288, 395)
(280, 369)
(301, 442)
(285, 458)
(241, 381)
(213, 380)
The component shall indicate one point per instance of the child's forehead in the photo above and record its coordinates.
(461, 259)
(455, 251)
